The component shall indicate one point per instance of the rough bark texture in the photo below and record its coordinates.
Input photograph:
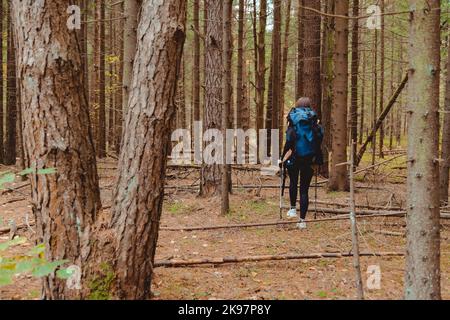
(211, 174)
(354, 77)
(284, 68)
(240, 92)
(422, 279)
(131, 11)
(101, 126)
(445, 168)
(196, 62)
(276, 66)
(327, 97)
(56, 135)
(261, 73)
(141, 170)
(311, 73)
(299, 87)
(338, 174)
(11, 100)
(1, 86)
(382, 78)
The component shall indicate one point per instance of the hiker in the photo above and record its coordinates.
(304, 138)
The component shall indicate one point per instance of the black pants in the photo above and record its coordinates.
(301, 168)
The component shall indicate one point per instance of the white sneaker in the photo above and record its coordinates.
(292, 213)
(301, 225)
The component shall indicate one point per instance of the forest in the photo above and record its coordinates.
(149, 150)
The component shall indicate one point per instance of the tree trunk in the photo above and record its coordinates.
(11, 97)
(328, 70)
(422, 279)
(1, 87)
(240, 98)
(211, 178)
(142, 163)
(261, 72)
(311, 73)
(196, 62)
(101, 127)
(445, 167)
(65, 204)
(354, 77)
(382, 78)
(276, 66)
(338, 174)
(299, 87)
(131, 13)
(227, 98)
(284, 68)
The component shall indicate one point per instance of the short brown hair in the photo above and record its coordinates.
(303, 102)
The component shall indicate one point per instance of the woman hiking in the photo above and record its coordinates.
(304, 138)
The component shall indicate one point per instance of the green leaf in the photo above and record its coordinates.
(47, 171)
(24, 266)
(5, 277)
(47, 268)
(7, 178)
(27, 171)
(7, 244)
(37, 250)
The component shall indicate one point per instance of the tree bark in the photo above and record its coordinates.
(65, 204)
(445, 167)
(101, 127)
(311, 72)
(1, 87)
(211, 173)
(354, 77)
(338, 174)
(131, 13)
(299, 87)
(11, 94)
(140, 187)
(422, 277)
(196, 62)
(261, 72)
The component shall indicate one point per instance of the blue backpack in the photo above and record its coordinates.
(308, 132)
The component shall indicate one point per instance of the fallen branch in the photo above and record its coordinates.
(381, 119)
(219, 261)
(270, 224)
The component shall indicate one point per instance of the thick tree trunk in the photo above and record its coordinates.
(140, 187)
(65, 204)
(338, 174)
(311, 73)
(422, 279)
(211, 173)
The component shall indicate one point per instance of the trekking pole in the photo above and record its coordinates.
(281, 190)
(315, 193)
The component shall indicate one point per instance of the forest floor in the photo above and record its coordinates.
(294, 279)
